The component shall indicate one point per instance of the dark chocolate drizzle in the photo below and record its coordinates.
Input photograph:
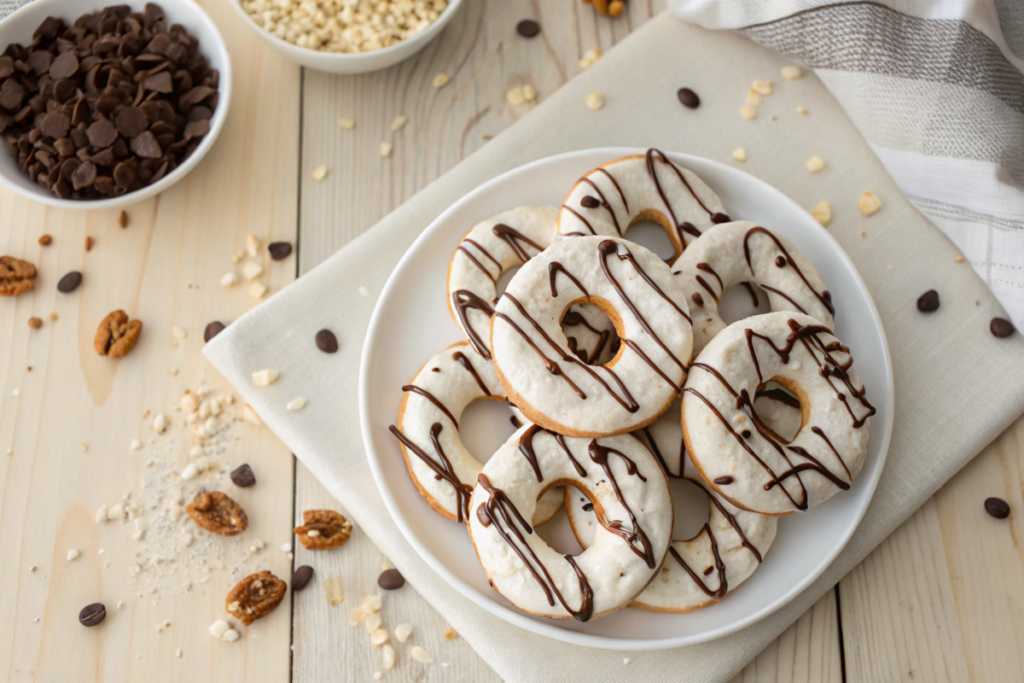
(442, 469)
(573, 319)
(433, 399)
(554, 268)
(824, 297)
(463, 299)
(461, 358)
(653, 154)
(604, 201)
(513, 238)
(599, 454)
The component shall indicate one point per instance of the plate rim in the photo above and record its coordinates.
(510, 614)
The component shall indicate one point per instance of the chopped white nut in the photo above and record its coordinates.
(264, 378)
(286, 547)
(389, 656)
(589, 57)
(398, 123)
(386, 148)
(739, 154)
(801, 111)
(762, 87)
(869, 203)
(228, 279)
(219, 628)
(252, 245)
(815, 164)
(420, 655)
(449, 632)
(73, 555)
(313, 533)
(237, 258)
(378, 637)
(372, 603)
(177, 653)
(136, 445)
(233, 606)
(231, 635)
(334, 589)
(178, 333)
(347, 124)
(160, 423)
(515, 96)
(16, 392)
(373, 622)
(189, 403)
(402, 632)
(191, 471)
(754, 98)
(296, 404)
(377, 675)
(595, 100)
(115, 512)
(625, 660)
(101, 514)
(792, 73)
(319, 173)
(441, 80)
(748, 112)
(251, 270)
(530, 93)
(822, 213)
(363, 291)
(250, 416)
(258, 290)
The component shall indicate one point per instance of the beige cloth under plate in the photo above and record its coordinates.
(957, 386)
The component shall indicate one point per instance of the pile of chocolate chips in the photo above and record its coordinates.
(108, 105)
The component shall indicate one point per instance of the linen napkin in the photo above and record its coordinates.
(938, 92)
(957, 386)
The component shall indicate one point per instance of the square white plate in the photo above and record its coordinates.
(411, 323)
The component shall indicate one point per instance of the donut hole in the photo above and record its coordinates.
(653, 235)
(504, 279)
(485, 425)
(780, 409)
(692, 508)
(742, 301)
(558, 532)
(590, 333)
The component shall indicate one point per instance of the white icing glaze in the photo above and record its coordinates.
(455, 387)
(483, 255)
(835, 414)
(719, 545)
(548, 384)
(717, 260)
(617, 566)
(627, 193)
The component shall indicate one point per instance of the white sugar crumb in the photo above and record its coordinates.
(191, 471)
(363, 291)
(398, 123)
(739, 154)
(589, 57)
(420, 655)
(264, 378)
(869, 203)
(296, 404)
(160, 423)
(252, 245)
(231, 635)
(251, 270)
(377, 675)
(815, 164)
(219, 628)
(625, 660)
(748, 112)
(16, 393)
(822, 213)
(441, 80)
(73, 555)
(101, 514)
(286, 547)
(402, 632)
(595, 100)
(386, 148)
(792, 73)
(347, 124)
(389, 656)
(319, 173)
(136, 445)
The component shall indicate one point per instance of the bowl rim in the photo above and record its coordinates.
(219, 116)
(355, 58)
(543, 628)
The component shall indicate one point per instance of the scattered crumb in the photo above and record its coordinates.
(739, 154)
(334, 589)
(389, 656)
(258, 290)
(231, 635)
(53, 316)
(889, 267)
(319, 173)
(136, 445)
(822, 212)
(178, 333)
(347, 124)
(377, 675)
(160, 423)
(237, 258)
(869, 203)
(45, 240)
(754, 98)
(530, 93)
(801, 111)
(441, 80)
(420, 655)
(88, 243)
(15, 393)
(122, 219)
(251, 270)
(762, 87)
(595, 100)
(625, 660)
(449, 632)
(402, 632)
(219, 628)
(250, 416)
(515, 96)
(252, 245)
(264, 378)
(863, 234)
(792, 73)
(959, 259)
(296, 404)
(398, 123)
(229, 279)
(589, 57)
(385, 149)
(748, 112)
(815, 164)
(35, 323)
(363, 291)
(177, 653)
(73, 555)
(378, 637)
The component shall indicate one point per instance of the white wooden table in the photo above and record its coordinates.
(940, 600)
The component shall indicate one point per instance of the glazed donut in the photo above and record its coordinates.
(742, 459)
(698, 571)
(442, 468)
(744, 252)
(631, 497)
(555, 389)
(496, 245)
(642, 187)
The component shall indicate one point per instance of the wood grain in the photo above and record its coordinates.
(163, 269)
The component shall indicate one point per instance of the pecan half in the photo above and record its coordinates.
(216, 512)
(15, 276)
(117, 335)
(323, 529)
(255, 596)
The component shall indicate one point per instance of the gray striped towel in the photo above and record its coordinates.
(937, 89)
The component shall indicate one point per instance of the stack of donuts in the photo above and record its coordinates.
(622, 375)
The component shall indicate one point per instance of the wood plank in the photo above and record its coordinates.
(484, 57)
(942, 599)
(164, 270)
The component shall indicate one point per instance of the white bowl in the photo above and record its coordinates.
(363, 62)
(19, 27)
(411, 323)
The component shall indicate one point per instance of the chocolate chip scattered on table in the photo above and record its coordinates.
(243, 476)
(69, 282)
(301, 578)
(390, 579)
(688, 98)
(92, 614)
(528, 28)
(326, 341)
(1001, 327)
(212, 330)
(106, 105)
(928, 302)
(997, 507)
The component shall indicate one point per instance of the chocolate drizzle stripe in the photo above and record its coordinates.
(723, 584)
(573, 319)
(823, 297)
(565, 448)
(442, 470)
(703, 283)
(553, 367)
(785, 296)
(818, 430)
(463, 299)
(599, 454)
(554, 268)
(706, 267)
(476, 262)
(433, 399)
(464, 361)
(526, 448)
(643, 356)
(653, 154)
(513, 238)
(585, 221)
(622, 196)
(604, 202)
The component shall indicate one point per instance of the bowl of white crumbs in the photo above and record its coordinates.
(347, 36)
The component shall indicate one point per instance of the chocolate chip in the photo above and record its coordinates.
(243, 476)
(780, 261)
(301, 578)
(69, 282)
(697, 298)
(12, 94)
(279, 250)
(589, 202)
(64, 66)
(84, 175)
(92, 614)
(160, 82)
(102, 133)
(326, 341)
(55, 124)
(997, 507)
(928, 302)
(197, 129)
(146, 146)
(724, 481)
(717, 218)
(1001, 327)
(746, 433)
(528, 28)
(212, 330)
(688, 98)
(131, 121)
(391, 579)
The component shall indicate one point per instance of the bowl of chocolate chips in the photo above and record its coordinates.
(104, 106)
